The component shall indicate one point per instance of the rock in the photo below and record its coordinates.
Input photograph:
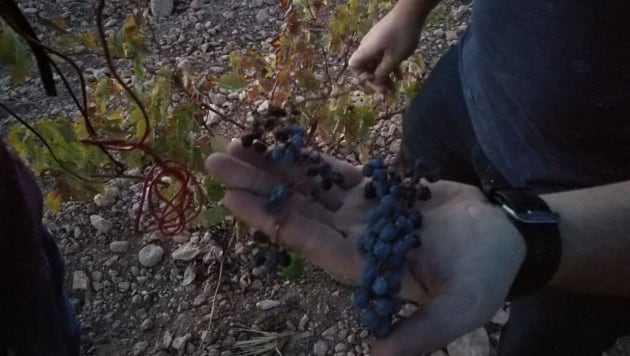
(181, 238)
(167, 339)
(267, 304)
(150, 255)
(189, 275)
(262, 16)
(438, 33)
(459, 12)
(303, 322)
(214, 254)
(330, 333)
(341, 347)
(407, 310)
(228, 14)
(80, 280)
(200, 299)
(119, 246)
(451, 35)
(180, 342)
(146, 325)
(475, 343)
(501, 317)
(161, 8)
(218, 99)
(185, 252)
(259, 271)
(101, 224)
(104, 201)
(320, 348)
(29, 11)
(140, 347)
(394, 147)
(263, 107)
(196, 4)
(153, 236)
(214, 116)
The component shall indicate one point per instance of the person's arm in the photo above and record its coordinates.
(595, 231)
(416, 9)
(389, 42)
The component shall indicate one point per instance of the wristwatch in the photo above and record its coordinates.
(539, 227)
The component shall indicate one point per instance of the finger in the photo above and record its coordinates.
(379, 87)
(352, 174)
(398, 74)
(362, 60)
(434, 325)
(365, 77)
(386, 66)
(296, 174)
(237, 174)
(317, 241)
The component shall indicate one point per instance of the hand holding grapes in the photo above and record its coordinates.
(461, 274)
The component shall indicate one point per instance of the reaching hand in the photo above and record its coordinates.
(389, 42)
(461, 274)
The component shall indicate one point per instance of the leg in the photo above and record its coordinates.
(553, 323)
(437, 127)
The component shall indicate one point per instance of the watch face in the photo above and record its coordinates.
(532, 216)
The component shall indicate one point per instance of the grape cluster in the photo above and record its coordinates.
(387, 239)
(288, 141)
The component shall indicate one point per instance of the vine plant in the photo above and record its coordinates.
(135, 124)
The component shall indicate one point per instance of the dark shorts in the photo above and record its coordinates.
(437, 128)
(55, 330)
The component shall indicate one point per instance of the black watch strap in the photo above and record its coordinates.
(539, 227)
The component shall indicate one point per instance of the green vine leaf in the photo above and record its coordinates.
(14, 54)
(295, 268)
(211, 216)
(232, 82)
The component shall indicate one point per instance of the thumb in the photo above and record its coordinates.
(434, 325)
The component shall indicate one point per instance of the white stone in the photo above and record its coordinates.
(264, 106)
(475, 343)
(80, 280)
(103, 201)
(196, 4)
(262, 16)
(267, 304)
(320, 348)
(101, 224)
(150, 255)
(189, 275)
(167, 339)
(451, 35)
(161, 8)
(119, 246)
(218, 98)
(214, 116)
(501, 317)
(185, 252)
(180, 342)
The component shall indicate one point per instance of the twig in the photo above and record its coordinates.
(388, 115)
(216, 290)
(223, 117)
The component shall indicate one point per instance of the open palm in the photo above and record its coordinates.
(461, 274)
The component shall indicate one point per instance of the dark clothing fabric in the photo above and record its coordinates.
(438, 128)
(547, 86)
(37, 319)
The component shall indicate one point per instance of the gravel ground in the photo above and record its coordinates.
(206, 292)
